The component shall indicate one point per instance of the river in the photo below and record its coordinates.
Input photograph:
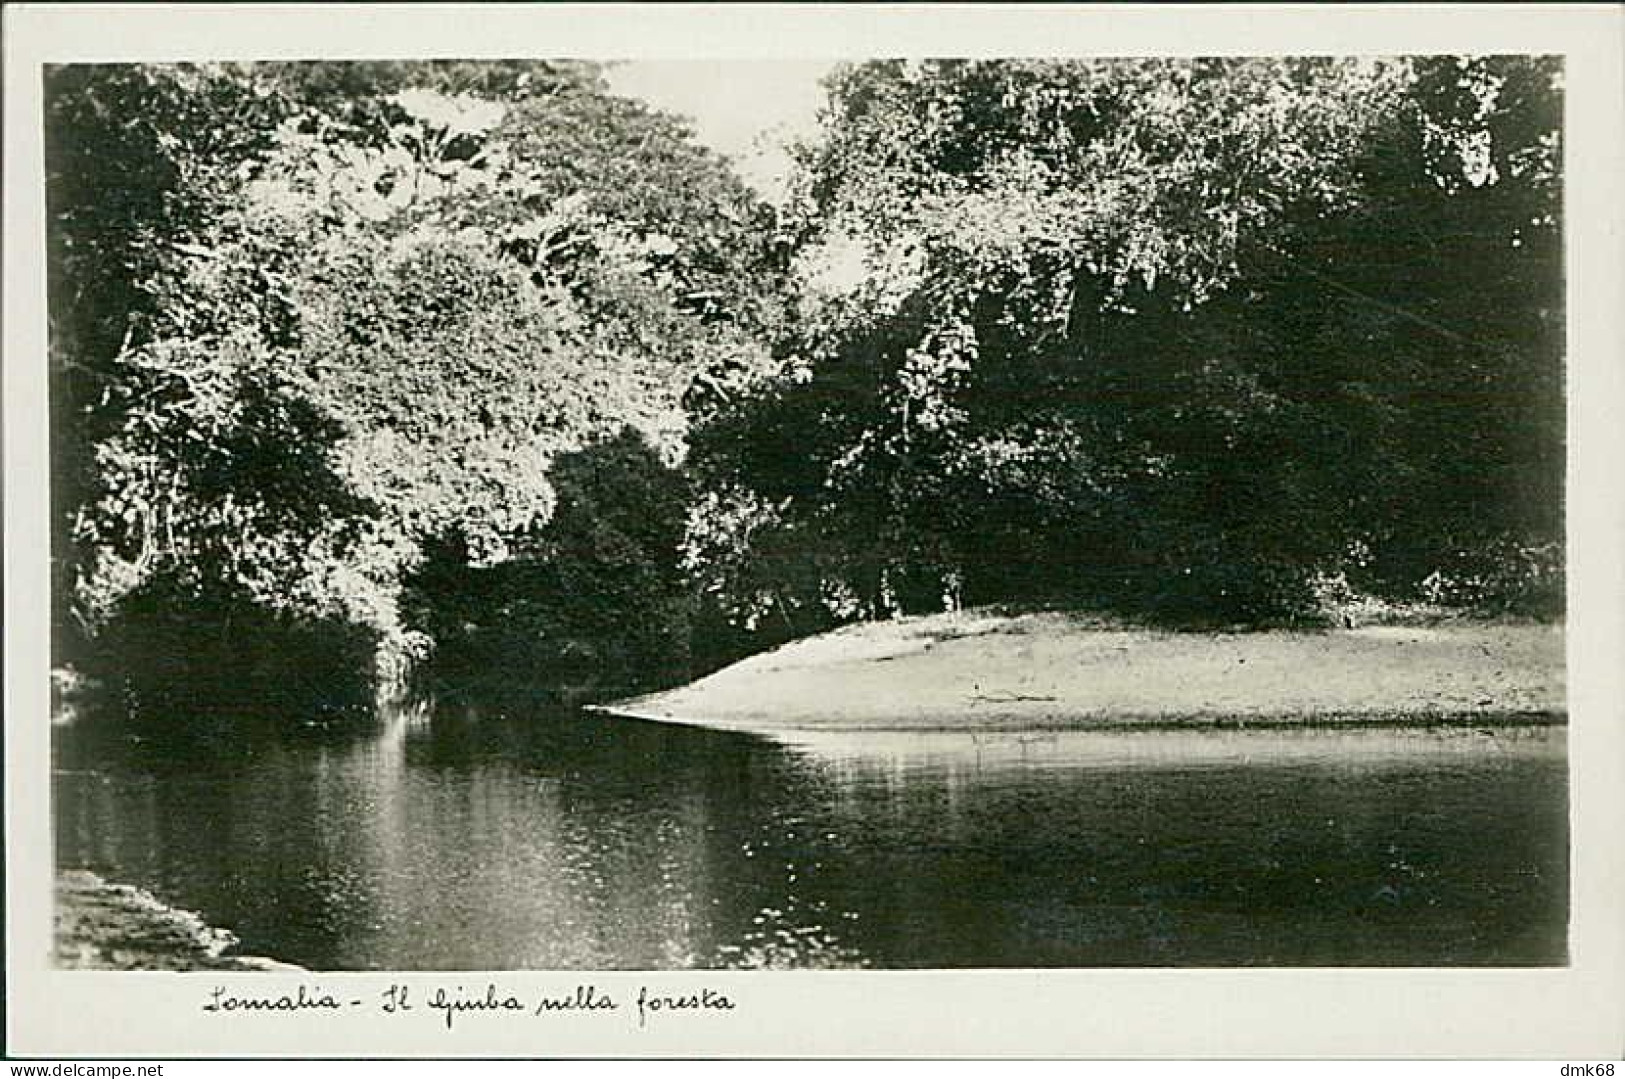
(558, 840)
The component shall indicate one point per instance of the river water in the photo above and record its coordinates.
(557, 840)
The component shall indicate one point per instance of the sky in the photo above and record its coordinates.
(744, 109)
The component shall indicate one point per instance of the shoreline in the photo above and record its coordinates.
(99, 925)
(1052, 724)
(978, 671)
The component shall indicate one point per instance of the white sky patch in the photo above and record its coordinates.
(746, 110)
(834, 267)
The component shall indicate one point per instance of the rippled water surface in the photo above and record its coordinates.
(557, 840)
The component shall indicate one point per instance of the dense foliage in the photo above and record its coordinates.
(591, 603)
(370, 330)
(1190, 338)
(481, 362)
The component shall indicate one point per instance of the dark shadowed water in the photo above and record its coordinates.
(558, 840)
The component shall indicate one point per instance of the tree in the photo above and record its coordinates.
(394, 313)
(1112, 310)
(1463, 297)
(138, 160)
(593, 600)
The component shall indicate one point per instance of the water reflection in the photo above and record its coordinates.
(555, 840)
(962, 752)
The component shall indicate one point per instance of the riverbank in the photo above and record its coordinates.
(103, 926)
(987, 671)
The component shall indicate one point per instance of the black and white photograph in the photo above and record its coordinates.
(745, 515)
